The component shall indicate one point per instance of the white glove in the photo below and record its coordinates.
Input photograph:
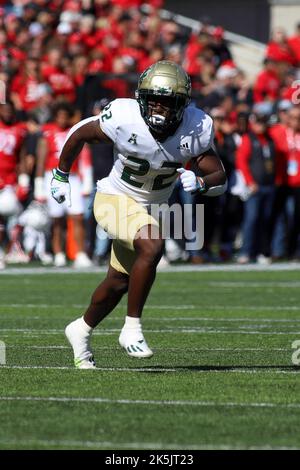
(189, 180)
(60, 187)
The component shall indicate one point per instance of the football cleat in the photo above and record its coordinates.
(80, 342)
(134, 344)
(82, 261)
(60, 260)
(85, 363)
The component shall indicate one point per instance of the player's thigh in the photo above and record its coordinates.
(122, 258)
(121, 217)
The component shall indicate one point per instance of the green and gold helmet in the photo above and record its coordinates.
(163, 79)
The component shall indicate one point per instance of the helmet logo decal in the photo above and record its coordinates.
(162, 90)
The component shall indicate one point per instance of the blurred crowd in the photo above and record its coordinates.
(62, 61)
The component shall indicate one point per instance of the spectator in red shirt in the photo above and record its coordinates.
(294, 43)
(53, 72)
(120, 86)
(24, 87)
(80, 66)
(267, 84)
(194, 47)
(278, 49)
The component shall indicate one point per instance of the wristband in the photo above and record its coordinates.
(201, 186)
(61, 176)
(24, 180)
(39, 190)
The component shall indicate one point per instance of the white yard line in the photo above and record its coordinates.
(168, 269)
(196, 319)
(101, 369)
(200, 369)
(246, 284)
(200, 330)
(133, 445)
(164, 307)
(107, 348)
(152, 402)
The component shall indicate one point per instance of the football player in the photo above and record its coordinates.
(154, 136)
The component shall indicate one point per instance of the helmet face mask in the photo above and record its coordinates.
(163, 93)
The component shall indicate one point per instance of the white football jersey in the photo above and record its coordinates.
(144, 168)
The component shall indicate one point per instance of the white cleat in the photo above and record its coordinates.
(46, 259)
(17, 256)
(60, 260)
(85, 364)
(80, 342)
(135, 344)
(82, 261)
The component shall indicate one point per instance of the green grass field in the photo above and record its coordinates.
(222, 375)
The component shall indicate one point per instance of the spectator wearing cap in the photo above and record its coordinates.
(256, 160)
(219, 46)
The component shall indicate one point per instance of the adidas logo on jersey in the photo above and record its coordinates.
(184, 146)
(132, 139)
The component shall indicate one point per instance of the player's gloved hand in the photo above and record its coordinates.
(60, 187)
(190, 182)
